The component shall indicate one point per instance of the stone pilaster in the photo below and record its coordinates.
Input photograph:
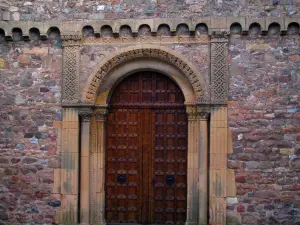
(218, 165)
(97, 168)
(69, 167)
(85, 115)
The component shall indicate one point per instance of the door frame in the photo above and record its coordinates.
(83, 132)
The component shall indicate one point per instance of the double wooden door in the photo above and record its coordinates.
(146, 152)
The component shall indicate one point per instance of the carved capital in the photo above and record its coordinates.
(101, 114)
(85, 114)
(191, 112)
(198, 112)
(203, 112)
(203, 116)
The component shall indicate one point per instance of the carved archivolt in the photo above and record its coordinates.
(150, 51)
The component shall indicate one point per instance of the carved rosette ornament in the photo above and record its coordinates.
(71, 61)
(219, 67)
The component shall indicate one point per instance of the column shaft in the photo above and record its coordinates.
(203, 172)
(193, 166)
(85, 172)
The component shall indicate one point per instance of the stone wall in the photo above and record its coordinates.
(42, 10)
(263, 107)
(30, 74)
(264, 118)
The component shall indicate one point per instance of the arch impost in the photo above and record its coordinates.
(77, 104)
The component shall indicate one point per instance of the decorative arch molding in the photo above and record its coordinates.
(121, 71)
(146, 51)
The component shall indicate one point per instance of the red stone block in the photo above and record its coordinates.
(240, 208)
(240, 178)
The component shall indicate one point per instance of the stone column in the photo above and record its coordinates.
(218, 165)
(85, 115)
(69, 167)
(193, 166)
(97, 168)
(203, 167)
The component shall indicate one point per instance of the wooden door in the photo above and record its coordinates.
(146, 152)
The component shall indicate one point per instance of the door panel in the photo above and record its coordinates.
(146, 152)
(170, 166)
(123, 167)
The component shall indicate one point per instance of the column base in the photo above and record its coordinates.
(96, 223)
(191, 223)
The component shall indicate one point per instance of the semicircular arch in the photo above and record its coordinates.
(125, 56)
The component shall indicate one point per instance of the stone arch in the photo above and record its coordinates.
(160, 54)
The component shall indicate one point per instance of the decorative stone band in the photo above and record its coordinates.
(116, 27)
(219, 36)
(71, 40)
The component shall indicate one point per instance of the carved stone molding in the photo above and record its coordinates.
(219, 67)
(70, 40)
(219, 36)
(204, 39)
(140, 53)
(71, 60)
